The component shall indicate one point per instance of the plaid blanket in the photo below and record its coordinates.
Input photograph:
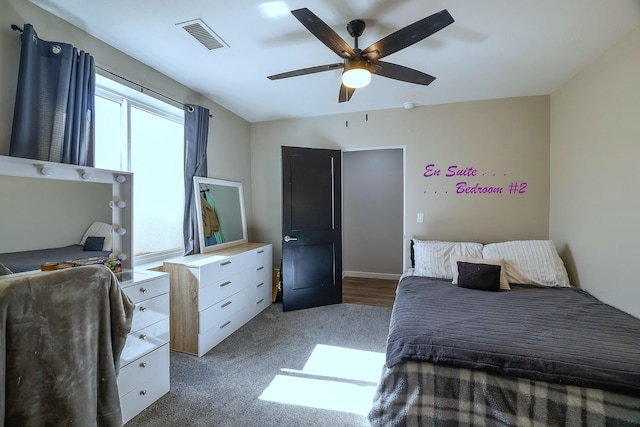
(424, 394)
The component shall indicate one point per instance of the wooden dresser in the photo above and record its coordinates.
(144, 363)
(215, 293)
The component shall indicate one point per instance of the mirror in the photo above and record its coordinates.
(46, 208)
(221, 204)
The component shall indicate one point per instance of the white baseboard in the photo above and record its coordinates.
(369, 275)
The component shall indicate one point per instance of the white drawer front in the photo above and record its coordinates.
(209, 339)
(222, 289)
(150, 311)
(144, 395)
(218, 315)
(144, 341)
(258, 304)
(260, 256)
(148, 289)
(143, 369)
(216, 271)
(259, 287)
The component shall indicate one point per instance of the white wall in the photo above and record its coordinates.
(507, 137)
(595, 172)
(229, 135)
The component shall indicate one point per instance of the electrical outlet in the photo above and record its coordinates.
(420, 217)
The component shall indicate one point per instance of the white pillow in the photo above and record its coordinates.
(100, 229)
(504, 285)
(433, 258)
(530, 262)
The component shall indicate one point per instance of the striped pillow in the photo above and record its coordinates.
(533, 262)
(433, 258)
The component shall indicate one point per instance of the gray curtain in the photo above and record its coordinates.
(54, 112)
(196, 131)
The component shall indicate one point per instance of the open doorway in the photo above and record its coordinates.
(373, 213)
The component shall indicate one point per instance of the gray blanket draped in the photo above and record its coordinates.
(554, 334)
(61, 335)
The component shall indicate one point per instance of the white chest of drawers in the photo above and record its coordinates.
(144, 363)
(213, 294)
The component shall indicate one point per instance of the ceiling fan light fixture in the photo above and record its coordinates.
(356, 78)
(356, 75)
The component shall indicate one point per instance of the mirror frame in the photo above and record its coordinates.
(197, 181)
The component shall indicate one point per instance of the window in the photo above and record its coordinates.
(139, 134)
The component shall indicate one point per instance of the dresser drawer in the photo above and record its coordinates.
(148, 289)
(258, 303)
(216, 292)
(144, 395)
(209, 339)
(143, 369)
(144, 341)
(259, 256)
(221, 269)
(150, 311)
(218, 315)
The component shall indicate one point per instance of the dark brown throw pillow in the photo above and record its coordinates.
(483, 277)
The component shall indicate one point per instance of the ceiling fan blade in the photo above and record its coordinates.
(345, 93)
(399, 72)
(304, 71)
(408, 35)
(324, 33)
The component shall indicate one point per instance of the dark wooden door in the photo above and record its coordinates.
(311, 231)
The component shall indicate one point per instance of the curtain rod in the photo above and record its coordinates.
(14, 27)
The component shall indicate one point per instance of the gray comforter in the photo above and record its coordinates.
(552, 334)
(61, 335)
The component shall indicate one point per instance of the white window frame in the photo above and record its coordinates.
(127, 98)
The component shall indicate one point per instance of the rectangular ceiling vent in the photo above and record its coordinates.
(205, 35)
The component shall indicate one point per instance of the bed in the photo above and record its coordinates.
(511, 343)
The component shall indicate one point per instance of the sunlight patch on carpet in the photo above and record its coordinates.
(333, 378)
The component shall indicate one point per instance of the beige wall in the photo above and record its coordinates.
(229, 144)
(507, 137)
(595, 172)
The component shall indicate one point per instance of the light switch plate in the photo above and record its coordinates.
(420, 217)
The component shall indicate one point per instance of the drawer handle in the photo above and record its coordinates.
(225, 324)
(259, 284)
(143, 365)
(261, 251)
(143, 392)
(261, 299)
(143, 337)
(143, 290)
(226, 304)
(143, 309)
(259, 268)
(225, 263)
(228, 282)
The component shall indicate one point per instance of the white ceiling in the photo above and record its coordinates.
(494, 49)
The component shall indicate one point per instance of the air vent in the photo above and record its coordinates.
(205, 35)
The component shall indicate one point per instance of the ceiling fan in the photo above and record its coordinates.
(359, 64)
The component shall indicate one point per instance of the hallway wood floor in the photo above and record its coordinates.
(366, 291)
